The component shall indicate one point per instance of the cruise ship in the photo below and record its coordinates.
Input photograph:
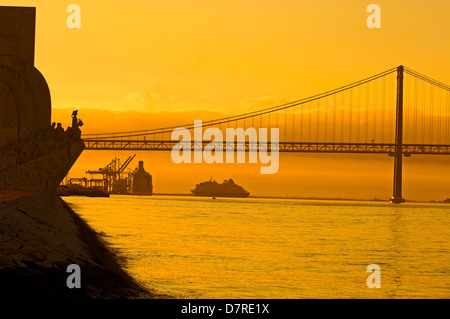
(213, 189)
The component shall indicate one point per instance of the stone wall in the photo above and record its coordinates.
(39, 237)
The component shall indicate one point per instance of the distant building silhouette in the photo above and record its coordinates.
(142, 181)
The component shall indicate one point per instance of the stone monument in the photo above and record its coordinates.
(33, 156)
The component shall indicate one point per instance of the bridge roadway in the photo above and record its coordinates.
(287, 147)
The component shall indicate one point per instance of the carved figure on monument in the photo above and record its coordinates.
(59, 129)
(74, 132)
(74, 119)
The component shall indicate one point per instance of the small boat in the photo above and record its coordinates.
(76, 190)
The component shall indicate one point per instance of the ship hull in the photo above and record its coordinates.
(43, 173)
(210, 194)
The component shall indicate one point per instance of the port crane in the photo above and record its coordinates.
(112, 181)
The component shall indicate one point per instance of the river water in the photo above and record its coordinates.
(192, 247)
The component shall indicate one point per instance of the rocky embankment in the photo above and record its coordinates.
(40, 236)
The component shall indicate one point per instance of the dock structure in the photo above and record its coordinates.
(113, 182)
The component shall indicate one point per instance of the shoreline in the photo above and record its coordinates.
(40, 235)
(295, 197)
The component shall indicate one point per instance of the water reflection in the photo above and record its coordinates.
(264, 248)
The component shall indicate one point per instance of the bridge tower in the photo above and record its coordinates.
(398, 156)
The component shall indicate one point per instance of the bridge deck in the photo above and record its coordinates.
(293, 147)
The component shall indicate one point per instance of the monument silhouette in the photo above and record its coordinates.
(34, 155)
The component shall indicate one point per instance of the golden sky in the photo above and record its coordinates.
(135, 60)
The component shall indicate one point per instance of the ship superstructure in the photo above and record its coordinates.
(213, 189)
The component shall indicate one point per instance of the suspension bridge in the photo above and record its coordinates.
(399, 112)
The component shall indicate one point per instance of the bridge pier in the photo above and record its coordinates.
(398, 156)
